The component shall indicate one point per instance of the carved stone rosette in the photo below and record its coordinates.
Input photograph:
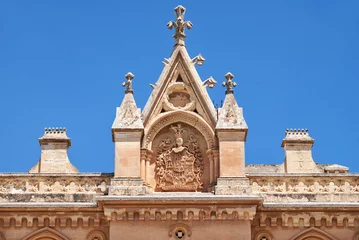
(179, 162)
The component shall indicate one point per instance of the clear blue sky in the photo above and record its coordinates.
(62, 64)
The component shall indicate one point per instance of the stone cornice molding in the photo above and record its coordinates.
(51, 219)
(307, 218)
(176, 207)
(180, 213)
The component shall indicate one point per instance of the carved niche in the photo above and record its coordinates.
(179, 163)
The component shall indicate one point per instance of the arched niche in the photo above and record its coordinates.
(179, 142)
(313, 234)
(45, 233)
(168, 118)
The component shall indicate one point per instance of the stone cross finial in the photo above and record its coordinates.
(229, 84)
(179, 25)
(128, 84)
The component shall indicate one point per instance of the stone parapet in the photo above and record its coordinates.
(232, 186)
(306, 187)
(127, 186)
(52, 187)
(273, 187)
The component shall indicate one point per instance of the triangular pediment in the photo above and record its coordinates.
(179, 87)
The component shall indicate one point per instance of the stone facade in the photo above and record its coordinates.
(180, 173)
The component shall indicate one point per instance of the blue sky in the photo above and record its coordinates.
(62, 64)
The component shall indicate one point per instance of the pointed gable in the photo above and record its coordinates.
(180, 68)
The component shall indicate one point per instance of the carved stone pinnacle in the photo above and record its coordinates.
(179, 25)
(128, 84)
(229, 84)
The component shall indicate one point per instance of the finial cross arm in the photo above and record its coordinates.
(180, 25)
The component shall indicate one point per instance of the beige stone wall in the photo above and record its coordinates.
(127, 154)
(231, 154)
(200, 230)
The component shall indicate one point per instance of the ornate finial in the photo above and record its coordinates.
(179, 25)
(128, 84)
(209, 82)
(229, 84)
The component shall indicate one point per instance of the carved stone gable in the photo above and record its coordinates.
(179, 161)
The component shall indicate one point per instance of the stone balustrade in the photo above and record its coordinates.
(306, 187)
(13, 187)
(274, 187)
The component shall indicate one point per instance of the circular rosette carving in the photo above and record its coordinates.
(178, 97)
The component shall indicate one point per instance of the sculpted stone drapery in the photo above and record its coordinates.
(179, 163)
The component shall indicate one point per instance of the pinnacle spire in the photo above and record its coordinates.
(179, 25)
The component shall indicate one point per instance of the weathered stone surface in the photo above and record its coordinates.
(54, 153)
(127, 186)
(128, 116)
(230, 116)
(180, 143)
(232, 186)
(297, 145)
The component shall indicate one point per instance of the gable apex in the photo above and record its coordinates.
(180, 68)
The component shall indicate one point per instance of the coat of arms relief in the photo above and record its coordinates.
(179, 161)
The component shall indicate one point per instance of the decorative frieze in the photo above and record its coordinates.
(38, 221)
(160, 213)
(307, 219)
(53, 184)
(289, 184)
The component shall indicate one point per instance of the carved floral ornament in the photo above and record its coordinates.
(305, 184)
(54, 184)
(179, 162)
